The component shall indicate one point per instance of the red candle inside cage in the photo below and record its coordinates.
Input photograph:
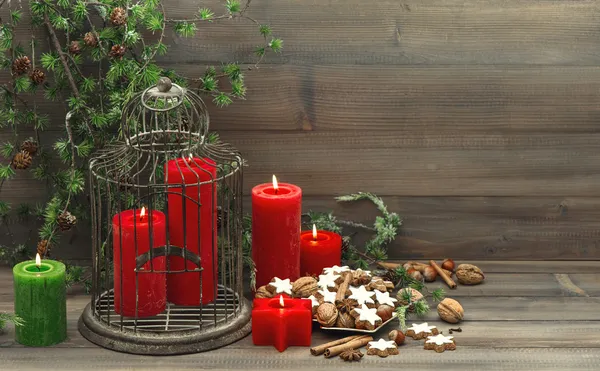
(276, 212)
(282, 322)
(133, 233)
(318, 250)
(198, 234)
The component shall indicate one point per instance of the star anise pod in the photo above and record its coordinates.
(346, 305)
(351, 355)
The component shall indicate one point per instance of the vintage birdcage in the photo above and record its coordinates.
(166, 212)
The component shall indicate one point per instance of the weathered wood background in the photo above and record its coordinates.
(476, 121)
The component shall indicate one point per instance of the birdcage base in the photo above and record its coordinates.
(172, 332)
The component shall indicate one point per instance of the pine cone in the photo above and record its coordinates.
(43, 248)
(74, 47)
(118, 16)
(117, 51)
(90, 40)
(346, 242)
(37, 76)
(30, 146)
(21, 65)
(66, 221)
(22, 160)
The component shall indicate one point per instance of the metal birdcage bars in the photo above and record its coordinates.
(166, 212)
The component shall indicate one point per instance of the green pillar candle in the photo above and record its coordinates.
(40, 299)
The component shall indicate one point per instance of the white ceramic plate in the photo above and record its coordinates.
(357, 330)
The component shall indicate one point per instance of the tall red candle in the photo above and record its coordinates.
(318, 250)
(276, 212)
(200, 234)
(282, 322)
(132, 232)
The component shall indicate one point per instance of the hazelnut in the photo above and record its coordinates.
(468, 274)
(304, 287)
(416, 275)
(397, 336)
(345, 320)
(429, 274)
(450, 311)
(327, 314)
(448, 264)
(407, 266)
(385, 312)
(262, 292)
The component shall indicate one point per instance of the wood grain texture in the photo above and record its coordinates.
(406, 32)
(412, 165)
(415, 100)
(299, 359)
(471, 228)
(503, 330)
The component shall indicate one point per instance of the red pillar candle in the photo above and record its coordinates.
(133, 232)
(318, 250)
(282, 322)
(200, 235)
(276, 212)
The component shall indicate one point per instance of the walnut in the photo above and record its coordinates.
(468, 274)
(304, 287)
(345, 320)
(327, 314)
(450, 311)
(385, 312)
(262, 292)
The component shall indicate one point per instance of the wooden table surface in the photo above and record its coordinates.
(526, 316)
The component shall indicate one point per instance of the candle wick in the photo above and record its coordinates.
(39, 268)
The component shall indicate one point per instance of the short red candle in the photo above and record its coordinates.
(280, 325)
(276, 217)
(321, 252)
(130, 232)
(200, 229)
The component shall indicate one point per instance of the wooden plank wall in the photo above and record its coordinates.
(476, 121)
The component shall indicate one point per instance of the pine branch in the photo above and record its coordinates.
(10, 318)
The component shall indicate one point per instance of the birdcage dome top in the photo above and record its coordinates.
(166, 118)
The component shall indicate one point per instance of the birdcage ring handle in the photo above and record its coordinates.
(142, 259)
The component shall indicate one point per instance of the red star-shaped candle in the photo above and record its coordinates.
(282, 322)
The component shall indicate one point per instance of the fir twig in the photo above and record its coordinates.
(10, 318)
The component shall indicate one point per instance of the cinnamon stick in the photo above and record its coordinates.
(341, 292)
(351, 345)
(443, 274)
(315, 351)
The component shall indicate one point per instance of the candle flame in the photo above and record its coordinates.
(38, 260)
(275, 185)
(314, 232)
(281, 301)
(143, 213)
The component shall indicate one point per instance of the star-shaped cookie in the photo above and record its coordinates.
(361, 295)
(327, 281)
(315, 303)
(326, 296)
(421, 331)
(281, 286)
(335, 269)
(366, 318)
(382, 348)
(384, 298)
(440, 343)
